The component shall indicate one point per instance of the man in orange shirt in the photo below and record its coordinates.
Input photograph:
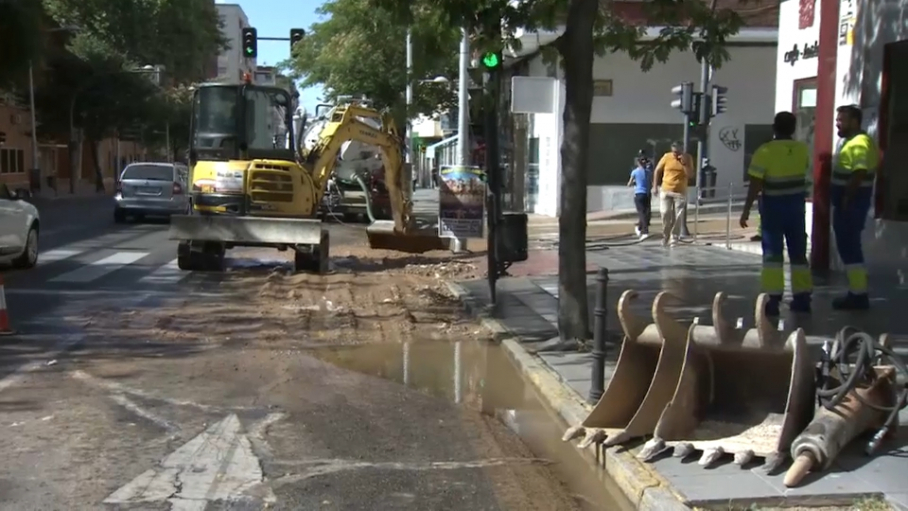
(672, 172)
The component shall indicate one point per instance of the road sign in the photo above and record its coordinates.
(217, 465)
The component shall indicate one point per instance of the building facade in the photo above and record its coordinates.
(631, 112)
(841, 52)
(231, 62)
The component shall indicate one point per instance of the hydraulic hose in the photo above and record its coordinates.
(362, 184)
(854, 354)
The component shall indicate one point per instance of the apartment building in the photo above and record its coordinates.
(231, 62)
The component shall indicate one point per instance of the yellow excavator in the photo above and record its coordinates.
(251, 185)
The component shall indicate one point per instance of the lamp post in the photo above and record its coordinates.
(72, 117)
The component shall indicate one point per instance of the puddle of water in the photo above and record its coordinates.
(481, 375)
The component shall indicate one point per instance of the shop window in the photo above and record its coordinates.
(12, 161)
(895, 193)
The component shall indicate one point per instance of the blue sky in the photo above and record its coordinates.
(275, 18)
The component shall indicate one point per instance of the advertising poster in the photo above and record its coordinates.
(461, 202)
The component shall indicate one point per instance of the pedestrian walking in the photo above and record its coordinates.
(672, 173)
(778, 175)
(642, 181)
(852, 193)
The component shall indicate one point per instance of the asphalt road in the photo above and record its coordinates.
(127, 420)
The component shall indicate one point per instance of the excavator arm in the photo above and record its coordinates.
(345, 125)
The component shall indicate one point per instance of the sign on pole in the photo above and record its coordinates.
(461, 202)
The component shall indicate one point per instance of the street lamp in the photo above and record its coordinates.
(31, 100)
(72, 116)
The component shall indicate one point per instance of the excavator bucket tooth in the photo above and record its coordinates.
(747, 393)
(648, 367)
(383, 236)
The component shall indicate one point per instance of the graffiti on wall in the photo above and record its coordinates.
(729, 138)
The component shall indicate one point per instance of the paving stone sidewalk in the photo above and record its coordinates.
(694, 273)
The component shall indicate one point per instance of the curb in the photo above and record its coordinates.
(643, 486)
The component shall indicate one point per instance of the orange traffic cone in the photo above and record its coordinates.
(4, 316)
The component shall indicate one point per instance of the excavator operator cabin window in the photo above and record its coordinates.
(264, 119)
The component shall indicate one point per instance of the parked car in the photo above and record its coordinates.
(151, 189)
(19, 224)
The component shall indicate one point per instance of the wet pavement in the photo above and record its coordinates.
(132, 385)
(528, 308)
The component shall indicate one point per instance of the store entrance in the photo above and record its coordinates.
(894, 194)
(804, 106)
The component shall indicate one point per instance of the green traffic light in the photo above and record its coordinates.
(249, 51)
(491, 60)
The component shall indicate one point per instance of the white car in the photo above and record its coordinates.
(19, 225)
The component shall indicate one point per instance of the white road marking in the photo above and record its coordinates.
(145, 414)
(65, 344)
(98, 269)
(56, 255)
(218, 464)
(170, 273)
(119, 388)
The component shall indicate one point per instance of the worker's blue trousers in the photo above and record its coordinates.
(783, 223)
(848, 225)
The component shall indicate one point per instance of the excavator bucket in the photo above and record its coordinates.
(743, 392)
(644, 379)
(383, 236)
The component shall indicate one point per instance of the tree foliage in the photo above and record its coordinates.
(362, 50)
(20, 41)
(589, 27)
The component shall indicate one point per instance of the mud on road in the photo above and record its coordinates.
(370, 297)
(244, 358)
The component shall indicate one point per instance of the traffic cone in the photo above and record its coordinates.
(4, 316)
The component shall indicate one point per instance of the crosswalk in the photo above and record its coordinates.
(72, 266)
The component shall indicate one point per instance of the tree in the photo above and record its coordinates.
(181, 35)
(590, 27)
(361, 50)
(102, 79)
(20, 39)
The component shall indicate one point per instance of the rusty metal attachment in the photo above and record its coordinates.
(866, 398)
(644, 378)
(745, 392)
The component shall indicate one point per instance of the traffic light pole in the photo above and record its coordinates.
(703, 139)
(493, 180)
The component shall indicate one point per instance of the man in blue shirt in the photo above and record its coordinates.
(642, 181)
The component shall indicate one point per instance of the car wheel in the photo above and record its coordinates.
(119, 216)
(29, 257)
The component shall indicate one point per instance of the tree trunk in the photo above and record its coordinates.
(576, 48)
(99, 177)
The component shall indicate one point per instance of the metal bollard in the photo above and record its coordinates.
(728, 220)
(597, 382)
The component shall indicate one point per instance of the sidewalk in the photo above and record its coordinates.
(527, 311)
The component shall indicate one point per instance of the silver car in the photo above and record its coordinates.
(152, 189)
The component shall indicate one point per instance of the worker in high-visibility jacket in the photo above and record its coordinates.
(852, 192)
(778, 172)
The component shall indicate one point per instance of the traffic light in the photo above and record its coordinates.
(250, 43)
(296, 35)
(685, 99)
(718, 99)
(491, 60)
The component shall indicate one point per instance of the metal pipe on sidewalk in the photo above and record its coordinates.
(728, 220)
(597, 381)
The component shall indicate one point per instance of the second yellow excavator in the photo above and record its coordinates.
(251, 187)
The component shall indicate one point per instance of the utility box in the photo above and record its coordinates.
(512, 237)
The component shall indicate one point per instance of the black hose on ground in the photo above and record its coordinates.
(854, 354)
